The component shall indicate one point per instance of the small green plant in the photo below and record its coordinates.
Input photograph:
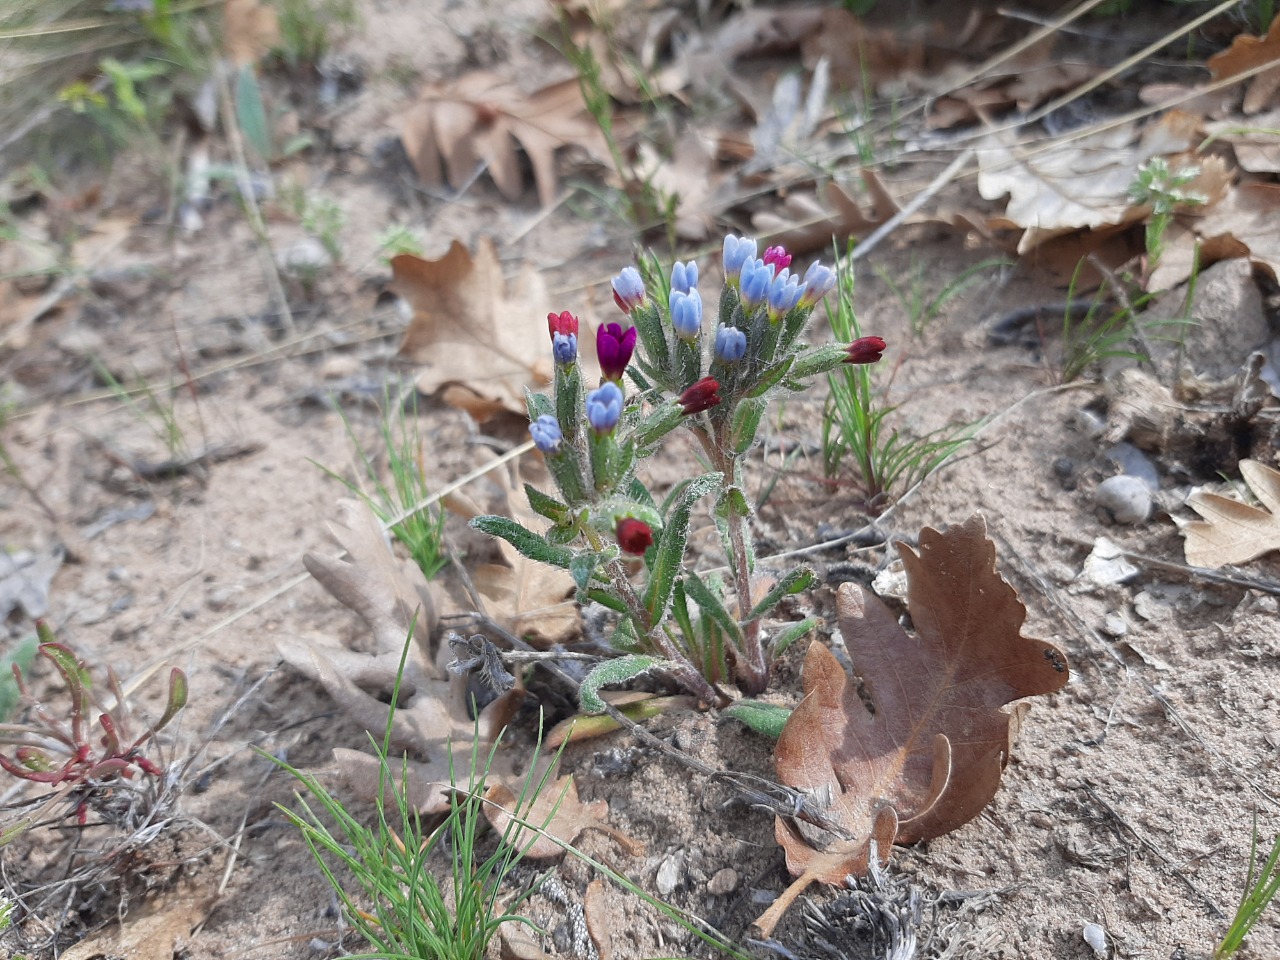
(717, 385)
(922, 310)
(420, 530)
(321, 217)
(307, 26)
(398, 239)
(1164, 190)
(857, 424)
(1260, 889)
(158, 414)
(87, 766)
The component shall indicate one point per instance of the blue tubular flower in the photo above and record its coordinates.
(684, 276)
(737, 251)
(818, 281)
(546, 434)
(628, 289)
(784, 294)
(686, 314)
(604, 407)
(756, 277)
(731, 344)
(565, 347)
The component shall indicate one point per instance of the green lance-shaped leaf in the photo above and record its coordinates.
(766, 718)
(566, 469)
(177, 697)
(607, 599)
(793, 325)
(569, 398)
(547, 506)
(624, 637)
(613, 672)
(638, 492)
(653, 341)
(771, 377)
(746, 421)
(688, 362)
(251, 114)
(818, 360)
(664, 418)
(680, 612)
(789, 635)
(528, 543)
(712, 606)
(538, 405)
(794, 582)
(669, 557)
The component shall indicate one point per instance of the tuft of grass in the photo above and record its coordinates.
(158, 413)
(1260, 889)
(307, 26)
(923, 310)
(421, 531)
(858, 426)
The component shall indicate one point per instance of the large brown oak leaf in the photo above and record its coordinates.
(930, 756)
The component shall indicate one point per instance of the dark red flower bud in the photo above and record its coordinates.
(634, 536)
(865, 350)
(703, 395)
(565, 323)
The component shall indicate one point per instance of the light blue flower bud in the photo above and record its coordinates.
(737, 251)
(684, 276)
(604, 407)
(546, 433)
(818, 281)
(686, 314)
(565, 347)
(784, 294)
(756, 277)
(731, 344)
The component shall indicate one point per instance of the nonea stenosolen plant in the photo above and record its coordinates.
(712, 372)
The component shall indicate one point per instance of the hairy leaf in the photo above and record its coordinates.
(611, 672)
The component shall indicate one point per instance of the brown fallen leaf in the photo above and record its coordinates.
(157, 932)
(1245, 53)
(807, 224)
(595, 911)
(432, 717)
(1234, 532)
(1254, 142)
(480, 118)
(1242, 224)
(930, 757)
(470, 332)
(249, 29)
(557, 812)
(688, 176)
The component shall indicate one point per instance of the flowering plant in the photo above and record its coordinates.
(715, 383)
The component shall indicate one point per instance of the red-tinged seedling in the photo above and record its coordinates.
(91, 744)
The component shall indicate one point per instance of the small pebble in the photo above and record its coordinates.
(1115, 625)
(1124, 498)
(1064, 468)
(724, 881)
(304, 256)
(1095, 937)
(669, 874)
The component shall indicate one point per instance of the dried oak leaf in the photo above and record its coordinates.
(1245, 53)
(482, 344)
(930, 757)
(1242, 224)
(559, 815)
(431, 718)
(480, 118)
(1231, 531)
(807, 224)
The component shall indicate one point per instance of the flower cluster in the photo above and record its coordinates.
(672, 363)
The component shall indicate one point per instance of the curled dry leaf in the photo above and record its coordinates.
(432, 717)
(480, 118)
(930, 757)
(1245, 53)
(559, 815)
(470, 333)
(1231, 531)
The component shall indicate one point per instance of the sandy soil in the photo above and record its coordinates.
(1130, 797)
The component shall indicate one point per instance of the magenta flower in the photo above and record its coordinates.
(614, 347)
(777, 256)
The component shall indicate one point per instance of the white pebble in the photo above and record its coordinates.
(1127, 499)
(1096, 937)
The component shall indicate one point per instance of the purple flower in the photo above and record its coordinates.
(731, 344)
(756, 277)
(818, 281)
(565, 347)
(604, 407)
(686, 314)
(684, 276)
(737, 251)
(628, 289)
(546, 433)
(784, 294)
(614, 348)
(777, 256)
